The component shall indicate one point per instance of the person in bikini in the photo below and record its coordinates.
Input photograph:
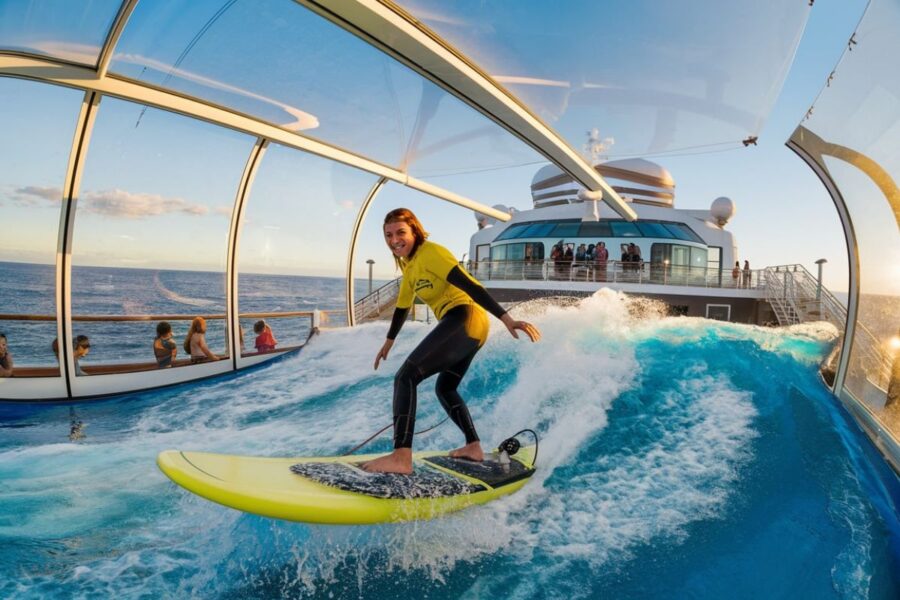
(195, 342)
(164, 347)
(432, 273)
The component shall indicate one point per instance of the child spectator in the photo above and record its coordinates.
(164, 347)
(265, 339)
(195, 342)
(6, 361)
(81, 346)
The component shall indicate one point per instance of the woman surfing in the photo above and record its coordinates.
(459, 302)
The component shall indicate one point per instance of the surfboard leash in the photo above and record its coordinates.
(385, 428)
(511, 445)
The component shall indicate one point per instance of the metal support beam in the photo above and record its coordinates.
(395, 32)
(74, 171)
(50, 71)
(811, 149)
(233, 316)
(354, 236)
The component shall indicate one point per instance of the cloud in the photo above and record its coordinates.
(32, 194)
(128, 205)
(117, 203)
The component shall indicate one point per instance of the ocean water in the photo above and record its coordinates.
(107, 291)
(679, 458)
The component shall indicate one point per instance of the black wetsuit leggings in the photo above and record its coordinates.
(448, 350)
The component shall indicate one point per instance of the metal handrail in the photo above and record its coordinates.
(794, 286)
(176, 317)
(790, 288)
(372, 304)
(612, 271)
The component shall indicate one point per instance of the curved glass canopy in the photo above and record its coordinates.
(654, 77)
(69, 31)
(849, 137)
(283, 64)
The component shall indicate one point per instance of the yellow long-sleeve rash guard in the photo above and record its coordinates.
(425, 276)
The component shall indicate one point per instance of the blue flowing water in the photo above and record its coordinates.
(679, 458)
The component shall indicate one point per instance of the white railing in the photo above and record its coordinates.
(373, 305)
(613, 271)
(796, 296)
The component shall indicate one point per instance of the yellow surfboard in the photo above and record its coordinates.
(335, 490)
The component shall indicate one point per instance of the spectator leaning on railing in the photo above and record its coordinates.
(6, 361)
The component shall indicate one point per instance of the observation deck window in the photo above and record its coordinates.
(596, 229)
(624, 229)
(566, 230)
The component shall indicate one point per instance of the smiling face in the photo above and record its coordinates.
(399, 238)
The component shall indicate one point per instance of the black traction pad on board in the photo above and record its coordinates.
(424, 482)
(491, 471)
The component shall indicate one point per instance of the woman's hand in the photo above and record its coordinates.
(528, 328)
(383, 353)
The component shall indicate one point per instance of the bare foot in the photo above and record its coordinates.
(398, 461)
(471, 451)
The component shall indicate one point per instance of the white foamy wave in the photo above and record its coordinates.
(625, 500)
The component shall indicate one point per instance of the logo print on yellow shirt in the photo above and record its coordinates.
(421, 284)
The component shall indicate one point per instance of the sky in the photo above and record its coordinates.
(158, 189)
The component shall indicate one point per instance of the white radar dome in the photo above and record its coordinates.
(722, 210)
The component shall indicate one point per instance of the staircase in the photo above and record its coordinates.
(379, 304)
(795, 297)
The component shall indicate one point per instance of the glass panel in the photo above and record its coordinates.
(856, 118)
(512, 231)
(534, 251)
(678, 232)
(498, 252)
(681, 256)
(646, 96)
(687, 231)
(38, 122)
(151, 236)
(515, 252)
(699, 257)
(595, 229)
(251, 57)
(566, 230)
(624, 229)
(660, 252)
(70, 31)
(649, 229)
(293, 247)
(537, 230)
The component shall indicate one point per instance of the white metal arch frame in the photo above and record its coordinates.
(389, 28)
(232, 298)
(52, 71)
(354, 236)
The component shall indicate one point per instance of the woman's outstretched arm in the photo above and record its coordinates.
(481, 296)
